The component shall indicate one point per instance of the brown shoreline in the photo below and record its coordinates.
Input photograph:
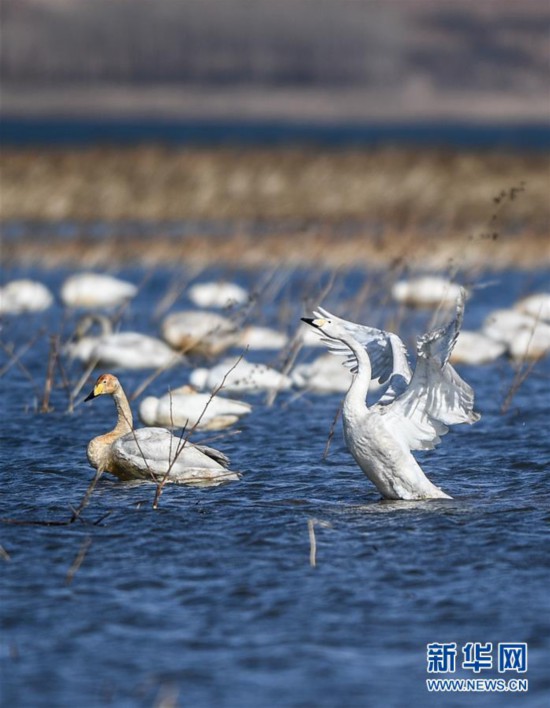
(434, 208)
(306, 248)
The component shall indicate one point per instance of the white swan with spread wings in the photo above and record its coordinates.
(415, 409)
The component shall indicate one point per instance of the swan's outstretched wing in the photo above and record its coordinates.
(450, 398)
(387, 353)
(436, 396)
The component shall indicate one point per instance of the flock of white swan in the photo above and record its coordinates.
(414, 407)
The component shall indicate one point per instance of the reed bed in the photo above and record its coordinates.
(281, 205)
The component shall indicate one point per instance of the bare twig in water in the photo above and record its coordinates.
(48, 384)
(86, 498)
(86, 543)
(522, 372)
(15, 359)
(332, 429)
(311, 524)
(183, 440)
(156, 373)
(80, 383)
(4, 555)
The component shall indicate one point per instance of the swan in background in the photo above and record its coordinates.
(24, 295)
(151, 453)
(323, 375)
(476, 348)
(531, 342)
(91, 290)
(536, 305)
(240, 375)
(308, 337)
(262, 338)
(426, 291)
(524, 336)
(414, 412)
(219, 295)
(504, 324)
(199, 332)
(185, 407)
(125, 350)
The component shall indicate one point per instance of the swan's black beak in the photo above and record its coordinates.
(309, 321)
(90, 395)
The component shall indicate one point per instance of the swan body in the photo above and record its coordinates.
(89, 290)
(199, 332)
(476, 348)
(240, 375)
(504, 324)
(525, 337)
(24, 295)
(151, 453)
(426, 291)
(531, 342)
(413, 413)
(219, 295)
(124, 350)
(323, 375)
(185, 407)
(537, 305)
(262, 338)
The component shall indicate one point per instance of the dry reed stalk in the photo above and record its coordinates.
(522, 373)
(4, 555)
(311, 524)
(75, 566)
(66, 383)
(173, 293)
(15, 359)
(156, 373)
(80, 383)
(296, 343)
(332, 429)
(183, 441)
(86, 498)
(168, 697)
(48, 383)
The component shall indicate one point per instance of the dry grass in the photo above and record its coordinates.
(281, 205)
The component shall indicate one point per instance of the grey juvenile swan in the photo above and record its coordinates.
(150, 453)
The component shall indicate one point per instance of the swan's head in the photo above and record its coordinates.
(105, 384)
(326, 327)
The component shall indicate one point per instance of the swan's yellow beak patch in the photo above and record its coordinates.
(97, 391)
(319, 322)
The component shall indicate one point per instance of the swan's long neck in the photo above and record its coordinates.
(125, 421)
(356, 398)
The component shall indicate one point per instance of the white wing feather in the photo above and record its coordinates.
(436, 396)
(387, 353)
(417, 408)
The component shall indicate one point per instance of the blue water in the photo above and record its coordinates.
(453, 133)
(211, 600)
